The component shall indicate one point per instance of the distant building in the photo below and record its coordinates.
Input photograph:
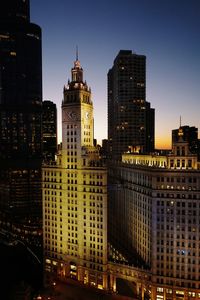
(105, 149)
(20, 116)
(75, 195)
(190, 135)
(198, 150)
(130, 116)
(49, 130)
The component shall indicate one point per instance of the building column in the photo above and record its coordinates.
(164, 294)
(174, 294)
(61, 271)
(105, 281)
(113, 282)
(138, 288)
(153, 293)
(86, 275)
(67, 270)
(142, 291)
(185, 295)
(80, 274)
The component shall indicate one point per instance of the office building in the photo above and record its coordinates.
(75, 195)
(20, 117)
(153, 213)
(130, 116)
(49, 130)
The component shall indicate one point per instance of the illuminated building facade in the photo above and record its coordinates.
(49, 130)
(20, 116)
(130, 116)
(75, 194)
(157, 199)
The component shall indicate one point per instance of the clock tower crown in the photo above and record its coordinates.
(77, 82)
(77, 71)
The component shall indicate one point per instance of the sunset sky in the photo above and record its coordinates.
(166, 31)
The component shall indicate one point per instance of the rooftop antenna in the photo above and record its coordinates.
(180, 121)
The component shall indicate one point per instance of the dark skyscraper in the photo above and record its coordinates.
(20, 113)
(49, 130)
(130, 117)
(14, 10)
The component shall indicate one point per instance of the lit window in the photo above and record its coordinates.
(13, 53)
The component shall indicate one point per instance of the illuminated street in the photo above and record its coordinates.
(75, 291)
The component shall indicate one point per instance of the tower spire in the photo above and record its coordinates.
(180, 130)
(77, 71)
(76, 53)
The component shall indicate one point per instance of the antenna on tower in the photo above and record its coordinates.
(76, 52)
(180, 130)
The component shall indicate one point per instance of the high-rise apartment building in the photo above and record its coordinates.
(153, 217)
(75, 194)
(130, 116)
(49, 130)
(20, 115)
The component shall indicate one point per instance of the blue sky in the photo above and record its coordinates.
(166, 31)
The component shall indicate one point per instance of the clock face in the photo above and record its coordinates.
(87, 115)
(72, 115)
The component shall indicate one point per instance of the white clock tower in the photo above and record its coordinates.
(77, 116)
(78, 244)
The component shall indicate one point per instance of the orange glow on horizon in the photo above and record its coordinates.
(163, 142)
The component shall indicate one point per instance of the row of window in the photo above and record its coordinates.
(71, 146)
(182, 203)
(92, 182)
(71, 132)
(177, 179)
(178, 283)
(52, 186)
(47, 192)
(52, 173)
(178, 227)
(180, 163)
(93, 176)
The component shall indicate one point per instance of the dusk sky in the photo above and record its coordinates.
(166, 31)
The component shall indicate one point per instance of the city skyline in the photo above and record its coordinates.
(166, 33)
(106, 218)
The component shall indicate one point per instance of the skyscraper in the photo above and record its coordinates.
(49, 130)
(75, 194)
(130, 116)
(20, 114)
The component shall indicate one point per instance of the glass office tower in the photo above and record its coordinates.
(20, 115)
